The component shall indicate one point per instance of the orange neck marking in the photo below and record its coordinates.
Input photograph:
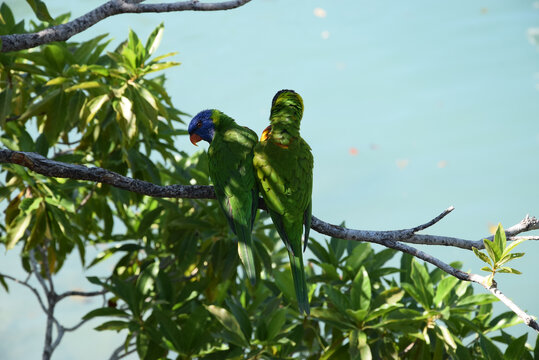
(266, 134)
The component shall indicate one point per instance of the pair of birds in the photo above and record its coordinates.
(280, 167)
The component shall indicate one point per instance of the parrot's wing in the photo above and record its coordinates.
(307, 217)
(232, 173)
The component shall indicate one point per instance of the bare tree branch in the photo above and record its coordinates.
(52, 300)
(528, 320)
(392, 239)
(80, 293)
(48, 348)
(343, 233)
(122, 348)
(65, 31)
(51, 168)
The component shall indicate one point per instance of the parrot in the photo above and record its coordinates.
(231, 170)
(284, 171)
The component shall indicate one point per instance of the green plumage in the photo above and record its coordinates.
(284, 170)
(231, 170)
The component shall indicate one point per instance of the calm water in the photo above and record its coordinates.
(410, 108)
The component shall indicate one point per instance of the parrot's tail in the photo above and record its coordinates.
(245, 250)
(300, 285)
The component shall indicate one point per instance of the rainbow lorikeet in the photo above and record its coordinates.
(231, 170)
(284, 170)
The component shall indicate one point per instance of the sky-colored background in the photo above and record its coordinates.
(410, 107)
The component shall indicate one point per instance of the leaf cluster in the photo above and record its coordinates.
(78, 102)
(499, 254)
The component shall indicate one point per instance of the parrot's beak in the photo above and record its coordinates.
(194, 138)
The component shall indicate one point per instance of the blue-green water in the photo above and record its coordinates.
(410, 107)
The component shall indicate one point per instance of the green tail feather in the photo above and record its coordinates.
(298, 274)
(245, 250)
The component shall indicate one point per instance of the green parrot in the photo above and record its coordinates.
(231, 170)
(284, 170)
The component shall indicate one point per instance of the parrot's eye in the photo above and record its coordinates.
(199, 124)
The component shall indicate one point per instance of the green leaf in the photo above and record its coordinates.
(95, 105)
(169, 328)
(3, 283)
(512, 245)
(489, 349)
(359, 348)
(229, 322)
(444, 289)
(509, 257)
(446, 336)
(500, 241)
(423, 285)
(42, 145)
(16, 230)
(406, 268)
(57, 81)
(38, 230)
(508, 270)
(146, 279)
(84, 85)
(486, 268)
(41, 11)
(241, 316)
(126, 109)
(276, 322)
(477, 299)
(319, 252)
(155, 39)
(283, 280)
(382, 310)
(412, 291)
(55, 55)
(490, 250)
(113, 325)
(332, 317)
(389, 296)
(336, 298)
(516, 348)
(148, 220)
(359, 254)
(38, 107)
(504, 320)
(330, 272)
(5, 103)
(357, 315)
(6, 15)
(107, 311)
(481, 256)
(28, 205)
(95, 280)
(360, 293)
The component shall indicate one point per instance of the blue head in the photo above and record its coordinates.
(202, 127)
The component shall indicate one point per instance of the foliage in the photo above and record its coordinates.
(499, 254)
(177, 289)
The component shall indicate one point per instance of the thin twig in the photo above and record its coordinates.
(25, 283)
(79, 293)
(433, 221)
(116, 353)
(63, 32)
